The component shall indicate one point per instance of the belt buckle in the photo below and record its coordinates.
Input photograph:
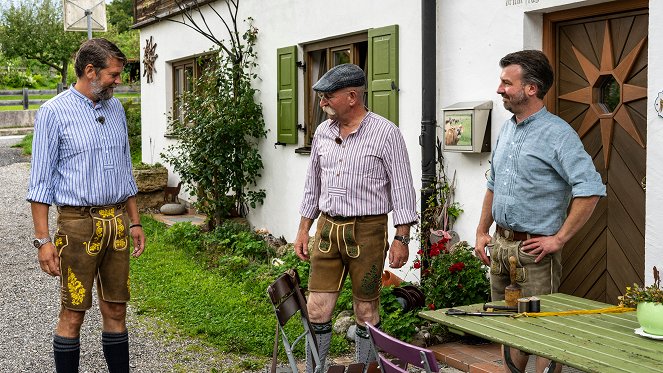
(508, 234)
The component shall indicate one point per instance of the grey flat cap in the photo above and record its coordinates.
(341, 76)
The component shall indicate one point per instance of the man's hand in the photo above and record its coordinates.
(482, 240)
(542, 245)
(49, 261)
(301, 245)
(398, 254)
(138, 238)
(301, 242)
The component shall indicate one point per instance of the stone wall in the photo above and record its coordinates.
(17, 118)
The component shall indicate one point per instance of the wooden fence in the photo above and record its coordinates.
(25, 94)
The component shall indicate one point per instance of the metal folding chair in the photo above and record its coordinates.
(404, 353)
(287, 298)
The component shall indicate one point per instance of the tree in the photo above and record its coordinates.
(217, 153)
(34, 30)
(121, 14)
(120, 19)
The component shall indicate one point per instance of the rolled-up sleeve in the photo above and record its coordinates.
(578, 169)
(397, 165)
(44, 157)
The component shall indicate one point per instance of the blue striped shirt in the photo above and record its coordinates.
(76, 160)
(367, 174)
(537, 167)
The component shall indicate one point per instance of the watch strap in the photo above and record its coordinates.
(39, 242)
(404, 239)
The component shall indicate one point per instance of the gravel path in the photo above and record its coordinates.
(30, 304)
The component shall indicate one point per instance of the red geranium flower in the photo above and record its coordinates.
(460, 286)
(434, 252)
(456, 267)
(417, 264)
(431, 306)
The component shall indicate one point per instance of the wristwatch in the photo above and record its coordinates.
(404, 239)
(39, 242)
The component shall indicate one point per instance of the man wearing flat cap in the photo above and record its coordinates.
(358, 173)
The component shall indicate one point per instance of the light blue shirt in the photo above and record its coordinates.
(537, 167)
(79, 159)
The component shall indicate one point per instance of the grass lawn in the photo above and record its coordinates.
(17, 107)
(20, 97)
(25, 144)
(232, 314)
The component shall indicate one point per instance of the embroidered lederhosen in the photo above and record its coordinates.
(356, 246)
(93, 242)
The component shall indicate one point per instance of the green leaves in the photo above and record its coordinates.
(40, 23)
(455, 278)
(217, 152)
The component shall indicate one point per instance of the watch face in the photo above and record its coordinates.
(36, 243)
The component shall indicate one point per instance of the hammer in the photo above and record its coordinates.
(513, 291)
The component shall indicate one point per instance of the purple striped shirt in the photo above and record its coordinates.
(367, 174)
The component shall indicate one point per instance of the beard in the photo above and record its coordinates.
(102, 92)
(329, 111)
(512, 103)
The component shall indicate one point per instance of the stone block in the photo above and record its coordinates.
(173, 209)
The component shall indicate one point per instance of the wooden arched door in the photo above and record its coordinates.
(601, 90)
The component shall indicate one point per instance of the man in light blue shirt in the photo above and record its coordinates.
(542, 188)
(81, 163)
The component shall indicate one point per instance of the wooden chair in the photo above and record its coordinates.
(405, 353)
(287, 298)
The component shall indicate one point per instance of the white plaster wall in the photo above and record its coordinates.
(280, 24)
(654, 208)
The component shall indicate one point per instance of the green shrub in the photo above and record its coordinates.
(185, 236)
(455, 277)
(18, 79)
(132, 111)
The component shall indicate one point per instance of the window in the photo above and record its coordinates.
(185, 73)
(320, 57)
(375, 50)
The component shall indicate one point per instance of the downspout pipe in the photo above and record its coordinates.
(427, 138)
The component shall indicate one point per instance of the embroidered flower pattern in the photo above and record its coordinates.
(94, 246)
(121, 241)
(107, 213)
(76, 289)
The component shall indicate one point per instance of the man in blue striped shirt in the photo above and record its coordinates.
(358, 173)
(81, 164)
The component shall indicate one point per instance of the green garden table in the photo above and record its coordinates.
(599, 343)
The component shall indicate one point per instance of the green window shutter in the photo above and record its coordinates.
(286, 123)
(383, 71)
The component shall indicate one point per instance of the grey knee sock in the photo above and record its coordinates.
(323, 334)
(363, 347)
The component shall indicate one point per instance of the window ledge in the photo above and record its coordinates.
(306, 150)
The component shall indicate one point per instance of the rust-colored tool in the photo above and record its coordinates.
(512, 291)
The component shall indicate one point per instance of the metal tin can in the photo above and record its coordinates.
(534, 304)
(523, 305)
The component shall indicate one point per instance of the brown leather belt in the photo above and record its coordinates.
(512, 235)
(92, 209)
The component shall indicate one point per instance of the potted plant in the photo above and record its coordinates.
(649, 303)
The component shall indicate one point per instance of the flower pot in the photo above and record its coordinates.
(390, 279)
(650, 317)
